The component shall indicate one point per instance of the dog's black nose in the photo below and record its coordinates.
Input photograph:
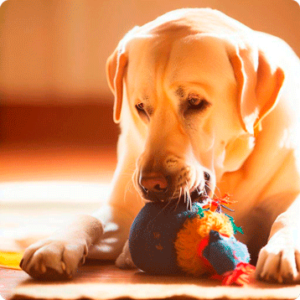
(153, 183)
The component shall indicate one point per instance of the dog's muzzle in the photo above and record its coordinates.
(155, 186)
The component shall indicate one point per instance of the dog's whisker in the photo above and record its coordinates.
(187, 199)
(219, 191)
(199, 191)
(178, 198)
(190, 201)
(186, 192)
(206, 189)
(133, 178)
(184, 195)
(180, 193)
(174, 194)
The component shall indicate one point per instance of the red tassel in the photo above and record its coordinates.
(202, 245)
(225, 200)
(221, 201)
(240, 275)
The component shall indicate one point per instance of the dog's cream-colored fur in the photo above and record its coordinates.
(246, 138)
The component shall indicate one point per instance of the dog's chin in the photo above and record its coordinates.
(195, 195)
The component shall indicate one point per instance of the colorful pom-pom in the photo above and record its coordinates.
(190, 236)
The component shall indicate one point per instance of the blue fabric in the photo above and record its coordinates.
(225, 253)
(153, 233)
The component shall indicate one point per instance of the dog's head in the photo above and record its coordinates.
(196, 87)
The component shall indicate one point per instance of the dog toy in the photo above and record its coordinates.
(171, 239)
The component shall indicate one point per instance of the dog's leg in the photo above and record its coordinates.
(124, 261)
(124, 205)
(101, 236)
(279, 260)
(60, 254)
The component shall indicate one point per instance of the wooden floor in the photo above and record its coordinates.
(9, 279)
(104, 281)
(21, 162)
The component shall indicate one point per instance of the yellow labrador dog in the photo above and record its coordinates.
(206, 106)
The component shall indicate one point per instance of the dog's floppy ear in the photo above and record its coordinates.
(115, 67)
(258, 86)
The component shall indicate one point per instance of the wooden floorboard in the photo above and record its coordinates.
(104, 281)
(9, 279)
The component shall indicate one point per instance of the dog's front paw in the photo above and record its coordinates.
(124, 261)
(279, 260)
(54, 259)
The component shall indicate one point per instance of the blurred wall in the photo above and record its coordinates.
(54, 51)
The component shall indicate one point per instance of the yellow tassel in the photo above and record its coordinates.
(192, 233)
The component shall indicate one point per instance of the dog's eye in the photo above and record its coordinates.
(140, 107)
(198, 103)
(141, 111)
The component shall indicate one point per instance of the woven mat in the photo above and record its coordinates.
(95, 281)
